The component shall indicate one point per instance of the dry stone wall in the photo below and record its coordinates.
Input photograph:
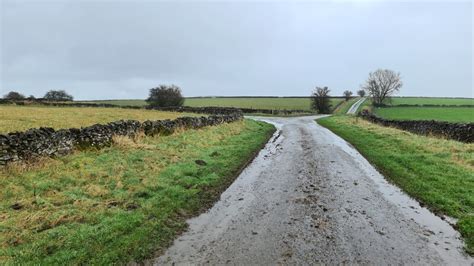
(463, 132)
(187, 109)
(34, 143)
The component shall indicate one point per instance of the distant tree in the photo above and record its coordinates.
(381, 84)
(347, 95)
(361, 93)
(165, 96)
(31, 98)
(320, 100)
(14, 96)
(58, 95)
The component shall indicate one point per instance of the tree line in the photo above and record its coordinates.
(52, 95)
(379, 86)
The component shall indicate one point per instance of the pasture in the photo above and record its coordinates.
(21, 118)
(437, 172)
(449, 114)
(274, 103)
(123, 202)
(430, 101)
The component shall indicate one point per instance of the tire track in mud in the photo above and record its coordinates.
(308, 198)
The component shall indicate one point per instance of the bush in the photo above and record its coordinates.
(361, 93)
(165, 96)
(320, 100)
(60, 96)
(14, 96)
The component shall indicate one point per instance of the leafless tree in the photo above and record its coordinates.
(361, 93)
(320, 100)
(347, 95)
(15, 96)
(381, 84)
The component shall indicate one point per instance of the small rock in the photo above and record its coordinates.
(254, 233)
(132, 206)
(17, 206)
(241, 198)
(200, 162)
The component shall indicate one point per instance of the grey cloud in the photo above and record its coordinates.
(120, 49)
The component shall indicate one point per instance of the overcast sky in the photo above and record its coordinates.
(120, 49)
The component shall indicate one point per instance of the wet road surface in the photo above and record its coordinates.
(310, 198)
(355, 106)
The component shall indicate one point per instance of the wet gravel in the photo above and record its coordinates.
(310, 198)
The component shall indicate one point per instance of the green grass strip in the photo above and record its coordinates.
(122, 203)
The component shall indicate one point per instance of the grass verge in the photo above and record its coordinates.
(121, 203)
(438, 173)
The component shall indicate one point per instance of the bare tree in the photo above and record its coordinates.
(347, 95)
(14, 96)
(320, 100)
(361, 93)
(381, 84)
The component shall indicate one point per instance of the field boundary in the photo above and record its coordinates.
(463, 132)
(34, 143)
(187, 109)
(426, 105)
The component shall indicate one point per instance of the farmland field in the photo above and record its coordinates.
(244, 102)
(121, 203)
(431, 101)
(437, 172)
(449, 114)
(20, 118)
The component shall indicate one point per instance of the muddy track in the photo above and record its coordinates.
(308, 198)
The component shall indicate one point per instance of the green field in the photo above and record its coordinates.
(20, 118)
(437, 172)
(244, 102)
(431, 100)
(122, 203)
(450, 114)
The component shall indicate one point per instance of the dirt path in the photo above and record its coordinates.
(355, 106)
(311, 198)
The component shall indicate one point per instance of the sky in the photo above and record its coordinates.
(120, 49)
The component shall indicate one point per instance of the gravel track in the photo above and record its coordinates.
(310, 198)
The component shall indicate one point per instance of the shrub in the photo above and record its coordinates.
(59, 95)
(14, 96)
(165, 96)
